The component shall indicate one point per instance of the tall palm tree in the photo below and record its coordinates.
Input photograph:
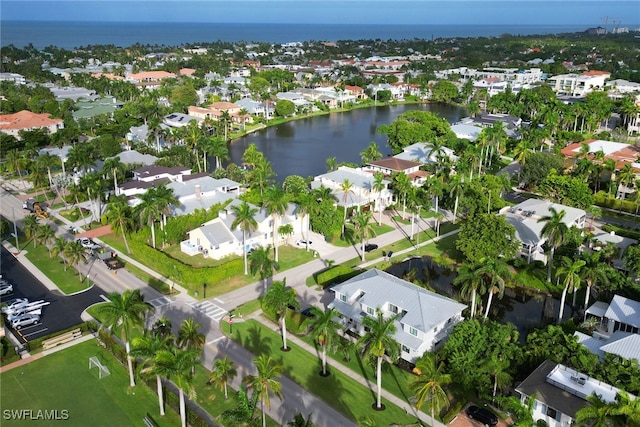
(264, 382)
(45, 235)
(149, 211)
(223, 372)
(497, 368)
(189, 335)
(628, 407)
(598, 414)
(58, 248)
(124, 312)
(146, 347)
(30, 226)
(324, 328)
(260, 263)
(162, 328)
(119, 216)
(370, 154)
(278, 299)
(378, 341)
(471, 283)
(494, 272)
(403, 186)
(74, 253)
(363, 229)
(570, 270)
(306, 202)
(347, 191)
(176, 365)
(244, 218)
(217, 147)
(378, 186)
(555, 230)
(276, 204)
(48, 161)
(165, 199)
(429, 383)
(456, 189)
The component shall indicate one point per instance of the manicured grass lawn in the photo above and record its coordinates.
(340, 391)
(68, 281)
(63, 381)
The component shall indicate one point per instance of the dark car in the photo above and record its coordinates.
(483, 415)
(308, 313)
(370, 247)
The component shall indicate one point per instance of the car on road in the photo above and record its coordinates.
(25, 320)
(88, 243)
(483, 415)
(303, 242)
(14, 304)
(370, 247)
(6, 288)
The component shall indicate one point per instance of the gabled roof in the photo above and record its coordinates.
(152, 170)
(424, 309)
(623, 344)
(419, 152)
(26, 120)
(395, 164)
(624, 310)
(132, 156)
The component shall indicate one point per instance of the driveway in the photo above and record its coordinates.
(462, 420)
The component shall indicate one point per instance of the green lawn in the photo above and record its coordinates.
(68, 281)
(63, 381)
(340, 391)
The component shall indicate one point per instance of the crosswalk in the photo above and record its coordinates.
(209, 309)
(159, 302)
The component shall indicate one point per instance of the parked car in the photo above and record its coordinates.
(370, 247)
(88, 243)
(13, 304)
(483, 415)
(25, 320)
(303, 242)
(6, 288)
(308, 313)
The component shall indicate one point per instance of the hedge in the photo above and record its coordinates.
(606, 200)
(335, 274)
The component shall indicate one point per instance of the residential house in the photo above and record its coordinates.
(88, 108)
(149, 79)
(425, 319)
(253, 107)
(390, 165)
(355, 91)
(151, 176)
(17, 79)
(623, 344)
(420, 152)
(201, 191)
(178, 120)
(524, 218)
(362, 193)
(578, 85)
(466, 131)
(621, 314)
(559, 392)
(510, 124)
(397, 92)
(216, 239)
(13, 124)
(133, 157)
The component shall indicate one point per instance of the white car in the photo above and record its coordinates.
(25, 320)
(88, 243)
(304, 242)
(6, 288)
(21, 312)
(16, 303)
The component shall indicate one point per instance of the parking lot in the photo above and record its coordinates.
(61, 313)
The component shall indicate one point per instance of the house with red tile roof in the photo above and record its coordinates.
(25, 120)
(391, 165)
(214, 111)
(620, 152)
(149, 79)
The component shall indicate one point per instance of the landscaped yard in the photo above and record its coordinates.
(340, 391)
(63, 381)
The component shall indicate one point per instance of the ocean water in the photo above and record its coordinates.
(70, 35)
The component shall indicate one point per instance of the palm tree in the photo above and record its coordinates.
(146, 347)
(324, 328)
(628, 408)
(403, 186)
(594, 271)
(570, 270)
(555, 230)
(275, 202)
(30, 226)
(300, 421)
(74, 253)
(278, 299)
(223, 372)
(363, 230)
(306, 202)
(58, 248)
(260, 263)
(347, 190)
(162, 328)
(176, 365)
(149, 211)
(456, 189)
(217, 147)
(496, 367)
(598, 414)
(45, 235)
(47, 161)
(119, 216)
(264, 383)
(429, 383)
(244, 219)
(370, 154)
(378, 186)
(494, 272)
(471, 281)
(189, 335)
(332, 164)
(378, 341)
(124, 312)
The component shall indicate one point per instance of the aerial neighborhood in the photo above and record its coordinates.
(480, 266)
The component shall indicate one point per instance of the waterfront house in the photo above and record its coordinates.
(425, 319)
(13, 124)
(578, 85)
(421, 153)
(390, 165)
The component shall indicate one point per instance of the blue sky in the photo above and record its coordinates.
(511, 12)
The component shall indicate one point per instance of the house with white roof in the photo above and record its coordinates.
(425, 319)
(623, 344)
(133, 157)
(466, 131)
(362, 192)
(420, 152)
(622, 314)
(216, 239)
(524, 218)
(151, 176)
(559, 392)
(201, 191)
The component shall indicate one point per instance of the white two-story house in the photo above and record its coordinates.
(425, 318)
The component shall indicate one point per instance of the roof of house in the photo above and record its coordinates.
(618, 151)
(26, 120)
(222, 105)
(420, 152)
(152, 170)
(624, 310)
(395, 164)
(424, 309)
(132, 156)
(557, 386)
(150, 75)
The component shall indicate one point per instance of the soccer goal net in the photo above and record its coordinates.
(103, 371)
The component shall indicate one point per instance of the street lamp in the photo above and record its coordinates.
(230, 323)
(418, 237)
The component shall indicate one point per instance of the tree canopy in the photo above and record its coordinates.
(415, 126)
(487, 236)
